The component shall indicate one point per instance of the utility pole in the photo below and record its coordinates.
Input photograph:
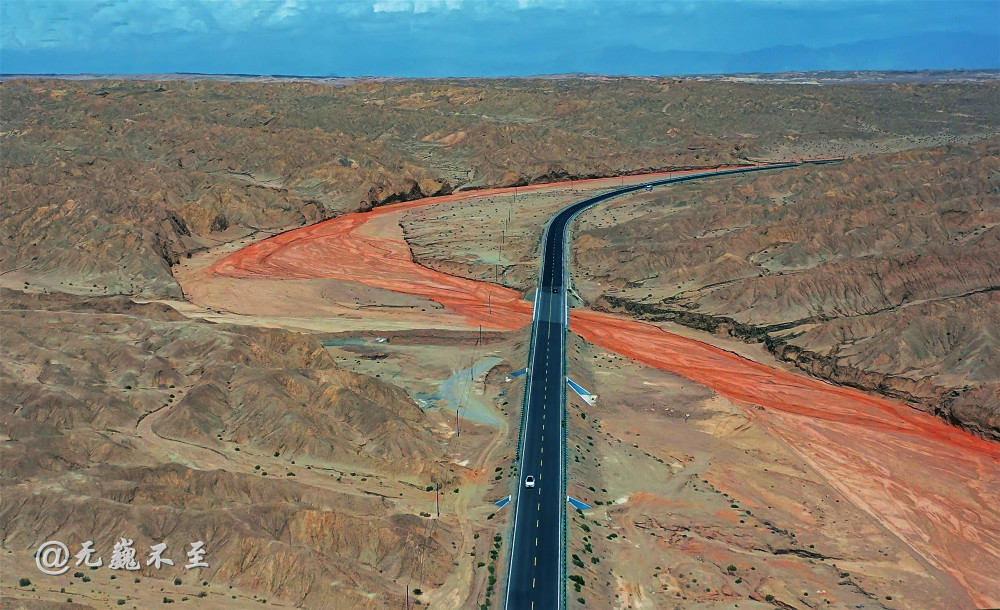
(489, 302)
(437, 498)
(458, 424)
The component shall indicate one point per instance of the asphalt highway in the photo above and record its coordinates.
(536, 579)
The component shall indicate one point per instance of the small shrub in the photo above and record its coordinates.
(24, 582)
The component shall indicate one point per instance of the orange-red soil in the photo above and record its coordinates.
(934, 486)
(340, 248)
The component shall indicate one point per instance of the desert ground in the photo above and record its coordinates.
(215, 328)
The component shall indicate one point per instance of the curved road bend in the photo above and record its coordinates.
(537, 558)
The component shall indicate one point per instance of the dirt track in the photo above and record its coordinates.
(932, 485)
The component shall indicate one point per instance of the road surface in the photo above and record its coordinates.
(536, 579)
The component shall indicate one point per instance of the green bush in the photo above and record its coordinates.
(24, 582)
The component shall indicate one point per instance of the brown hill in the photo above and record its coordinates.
(138, 422)
(108, 183)
(879, 272)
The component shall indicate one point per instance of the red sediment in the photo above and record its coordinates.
(336, 249)
(934, 486)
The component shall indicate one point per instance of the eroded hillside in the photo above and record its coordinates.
(879, 272)
(125, 419)
(108, 183)
(308, 468)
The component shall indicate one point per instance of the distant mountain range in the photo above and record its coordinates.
(924, 52)
(935, 51)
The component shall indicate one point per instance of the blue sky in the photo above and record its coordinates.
(493, 37)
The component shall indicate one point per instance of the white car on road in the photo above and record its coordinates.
(529, 482)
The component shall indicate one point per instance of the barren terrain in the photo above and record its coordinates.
(697, 504)
(310, 484)
(147, 172)
(879, 272)
(201, 339)
(871, 473)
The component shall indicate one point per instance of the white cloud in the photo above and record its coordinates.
(415, 6)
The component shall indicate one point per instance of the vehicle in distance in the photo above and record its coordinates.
(529, 481)
(555, 291)
(649, 187)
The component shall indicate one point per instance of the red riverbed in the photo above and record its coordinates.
(932, 485)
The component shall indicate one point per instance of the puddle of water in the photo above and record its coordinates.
(428, 401)
(459, 392)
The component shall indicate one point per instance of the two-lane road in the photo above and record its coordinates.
(535, 580)
(537, 557)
